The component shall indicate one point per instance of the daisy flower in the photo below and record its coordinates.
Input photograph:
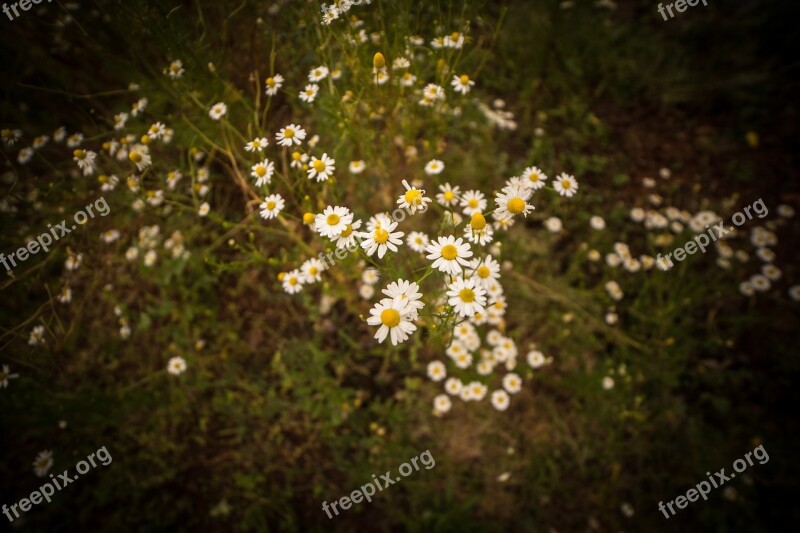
(393, 317)
(417, 241)
(381, 77)
(477, 391)
(794, 293)
(175, 69)
(263, 172)
(273, 84)
(312, 270)
(370, 276)
(466, 297)
(472, 202)
(462, 84)
(453, 386)
(448, 254)
(383, 237)
(500, 400)
(120, 119)
(321, 168)
(413, 199)
(449, 195)
(477, 231)
(204, 209)
(290, 134)
(309, 93)
(217, 111)
(437, 371)
(513, 201)
(176, 366)
(140, 157)
(357, 167)
(407, 79)
(597, 223)
(271, 206)
(565, 185)
(257, 144)
(333, 221)
(299, 160)
(5, 375)
(10, 137)
(43, 463)
(433, 92)
(554, 225)
(293, 282)
(433, 167)
(85, 160)
(318, 74)
(75, 140)
(348, 238)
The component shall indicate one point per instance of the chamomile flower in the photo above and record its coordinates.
(433, 167)
(794, 293)
(437, 371)
(511, 201)
(462, 84)
(370, 276)
(357, 167)
(309, 93)
(417, 241)
(512, 383)
(271, 206)
(448, 254)
(449, 195)
(597, 223)
(484, 270)
(37, 336)
(10, 137)
(291, 134)
(318, 74)
(534, 178)
(382, 238)
(263, 172)
(407, 292)
(85, 160)
(120, 119)
(348, 238)
(65, 296)
(273, 84)
(176, 366)
(292, 282)
(477, 391)
(442, 404)
(536, 359)
(565, 185)
(257, 145)
(218, 111)
(175, 69)
(333, 221)
(321, 168)
(477, 231)
(140, 157)
(553, 224)
(5, 375)
(760, 282)
(466, 297)
(392, 315)
(204, 209)
(433, 92)
(407, 79)
(43, 463)
(312, 270)
(381, 77)
(413, 199)
(472, 202)
(500, 400)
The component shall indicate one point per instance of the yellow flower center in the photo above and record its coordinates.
(313, 271)
(308, 218)
(467, 295)
(347, 231)
(271, 205)
(145, 139)
(260, 170)
(270, 82)
(332, 219)
(80, 154)
(478, 221)
(136, 157)
(498, 305)
(455, 35)
(378, 61)
(296, 156)
(473, 203)
(448, 195)
(449, 252)
(534, 177)
(413, 197)
(566, 184)
(464, 79)
(102, 178)
(390, 318)
(381, 236)
(483, 271)
(288, 133)
(516, 205)
(318, 165)
(293, 281)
